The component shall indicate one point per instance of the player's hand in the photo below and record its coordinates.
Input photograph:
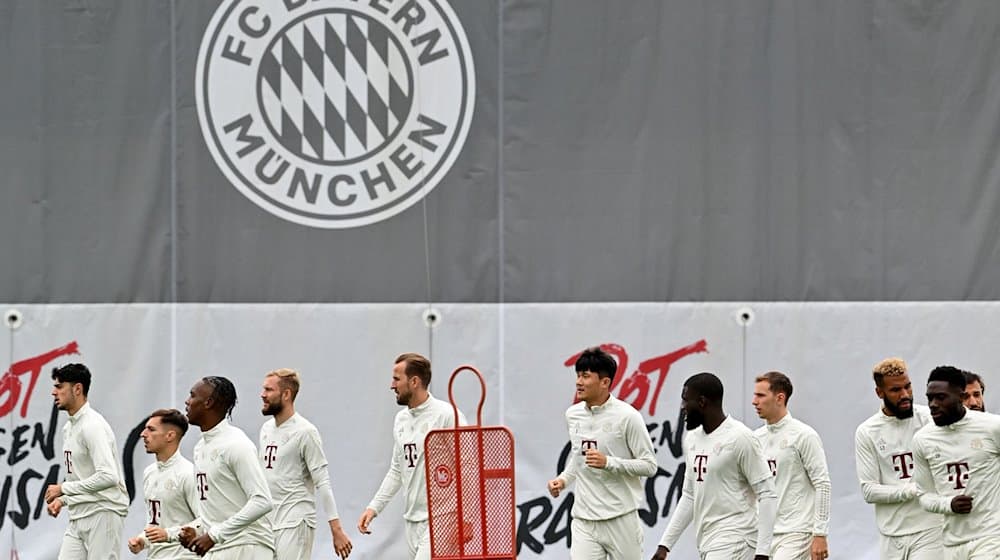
(202, 544)
(556, 485)
(156, 534)
(52, 492)
(366, 518)
(661, 553)
(54, 507)
(135, 545)
(341, 543)
(819, 549)
(595, 459)
(961, 504)
(187, 536)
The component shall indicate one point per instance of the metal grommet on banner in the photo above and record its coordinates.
(432, 317)
(13, 319)
(744, 316)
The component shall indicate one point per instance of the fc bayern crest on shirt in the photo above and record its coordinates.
(335, 113)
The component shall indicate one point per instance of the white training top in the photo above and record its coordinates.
(406, 469)
(883, 452)
(794, 452)
(295, 468)
(233, 497)
(171, 503)
(617, 430)
(961, 458)
(723, 468)
(94, 480)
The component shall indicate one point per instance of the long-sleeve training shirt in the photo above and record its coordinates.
(617, 430)
(233, 498)
(883, 452)
(171, 503)
(94, 480)
(794, 452)
(406, 469)
(962, 458)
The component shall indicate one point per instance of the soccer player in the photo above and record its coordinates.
(94, 488)
(958, 468)
(726, 469)
(611, 453)
(169, 488)
(233, 499)
(883, 450)
(974, 391)
(794, 452)
(296, 470)
(411, 376)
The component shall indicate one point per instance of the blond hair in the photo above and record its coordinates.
(287, 379)
(889, 367)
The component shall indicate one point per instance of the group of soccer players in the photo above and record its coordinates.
(235, 501)
(933, 472)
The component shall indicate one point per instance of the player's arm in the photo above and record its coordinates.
(640, 446)
(681, 518)
(315, 460)
(930, 500)
(814, 461)
(391, 483)
(248, 471)
(866, 462)
(101, 445)
(754, 469)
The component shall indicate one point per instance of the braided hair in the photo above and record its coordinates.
(223, 392)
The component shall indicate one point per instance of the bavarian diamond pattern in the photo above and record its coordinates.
(335, 87)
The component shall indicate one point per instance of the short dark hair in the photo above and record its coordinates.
(706, 385)
(598, 361)
(416, 365)
(779, 383)
(223, 392)
(950, 375)
(73, 373)
(971, 377)
(173, 417)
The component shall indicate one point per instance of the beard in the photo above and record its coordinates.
(271, 409)
(894, 408)
(693, 419)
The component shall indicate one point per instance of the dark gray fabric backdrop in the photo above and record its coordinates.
(644, 150)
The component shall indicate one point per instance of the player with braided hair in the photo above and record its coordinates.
(233, 495)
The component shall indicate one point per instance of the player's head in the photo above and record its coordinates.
(71, 386)
(945, 386)
(411, 376)
(974, 391)
(280, 388)
(595, 371)
(892, 385)
(211, 399)
(164, 429)
(701, 392)
(770, 395)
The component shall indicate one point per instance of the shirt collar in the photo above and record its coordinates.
(164, 465)
(601, 407)
(216, 431)
(419, 409)
(74, 418)
(780, 423)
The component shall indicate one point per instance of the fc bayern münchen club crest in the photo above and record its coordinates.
(335, 113)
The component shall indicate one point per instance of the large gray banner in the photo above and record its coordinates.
(603, 151)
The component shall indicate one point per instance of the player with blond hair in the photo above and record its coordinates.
(883, 448)
(296, 471)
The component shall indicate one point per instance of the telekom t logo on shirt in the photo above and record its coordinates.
(958, 473)
(154, 512)
(700, 462)
(69, 461)
(202, 485)
(903, 464)
(410, 452)
(270, 454)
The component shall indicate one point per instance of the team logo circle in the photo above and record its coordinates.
(335, 113)
(442, 476)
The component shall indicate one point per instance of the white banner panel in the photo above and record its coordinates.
(147, 356)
